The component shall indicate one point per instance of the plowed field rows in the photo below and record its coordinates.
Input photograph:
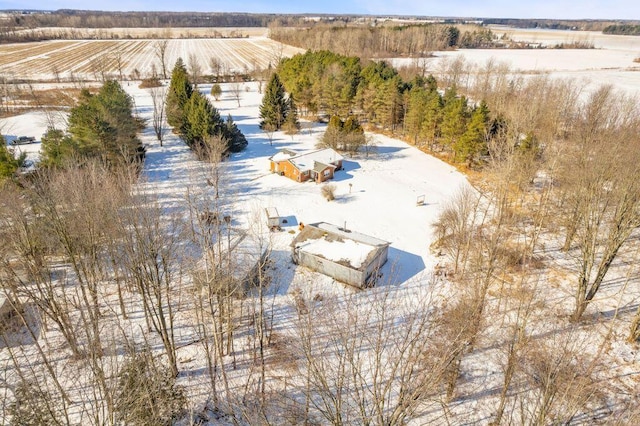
(90, 59)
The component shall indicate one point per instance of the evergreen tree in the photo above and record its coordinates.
(180, 90)
(431, 83)
(274, 108)
(333, 134)
(431, 123)
(416, 112)
(8, 163)
(202, 120)
(474, 140)
(237, 141)
(216, 91)
(352, 135)
(57, 147)
(103, 126)
(291, 124)
(454, 117)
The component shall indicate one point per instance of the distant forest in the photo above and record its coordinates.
(626, 29)
(103, 19)
(555, 24)
(97, 19)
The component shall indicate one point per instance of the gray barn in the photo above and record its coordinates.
(345, 255)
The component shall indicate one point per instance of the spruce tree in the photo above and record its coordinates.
(274, 108)
(237, 141)
(202, 120)
(180, 90)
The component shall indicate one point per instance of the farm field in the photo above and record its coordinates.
(610, 62)
(90, 59)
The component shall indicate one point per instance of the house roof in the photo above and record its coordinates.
(319, 167)
(283, 155)
(308, 160)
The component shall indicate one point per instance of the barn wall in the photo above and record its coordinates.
(335, 270)
(376, 263)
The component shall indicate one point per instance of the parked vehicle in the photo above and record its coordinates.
(23, 140)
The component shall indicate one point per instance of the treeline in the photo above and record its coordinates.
(622, 29)
(98, 19)
(385, 41)
(325, 83)
(551, 24)
(197, 121)
(13, 35)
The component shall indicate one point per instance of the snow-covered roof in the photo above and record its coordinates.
(352, 235)
(283, 155)
(339, 245)
(307, 161)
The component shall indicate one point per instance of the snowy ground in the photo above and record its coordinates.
(611, 62)
(375, 195)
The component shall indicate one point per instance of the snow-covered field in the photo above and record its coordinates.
(611, 62)
(89, 59)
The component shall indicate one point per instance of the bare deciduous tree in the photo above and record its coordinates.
(235, 87)
(158, 96)
(195, 69)
(160, 48)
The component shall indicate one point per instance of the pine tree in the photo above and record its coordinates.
(56, 148)
(454, 117)
(352, 136)
(291, 124)
(416, 112)
(180, 90)
(431, 123)
(274, 108)
(333, 134)
(474, 140)
(8, 163)
(103, 126)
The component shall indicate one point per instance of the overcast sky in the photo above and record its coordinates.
(560, 9)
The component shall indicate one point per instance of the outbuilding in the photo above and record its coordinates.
(345, 255)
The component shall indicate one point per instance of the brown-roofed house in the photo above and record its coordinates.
(318, 166)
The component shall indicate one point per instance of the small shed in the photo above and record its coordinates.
(273, 218)
(347, 256)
